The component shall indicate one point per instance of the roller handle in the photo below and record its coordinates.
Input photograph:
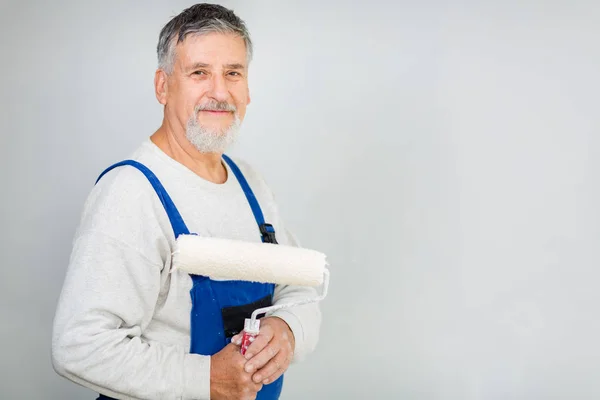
(252, 324)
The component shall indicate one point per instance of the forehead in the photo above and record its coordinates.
(215, 49)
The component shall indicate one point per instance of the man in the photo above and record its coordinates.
(126, 325)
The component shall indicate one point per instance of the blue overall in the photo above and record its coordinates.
(218, 307)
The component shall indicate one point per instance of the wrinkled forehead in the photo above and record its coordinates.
(214, 49)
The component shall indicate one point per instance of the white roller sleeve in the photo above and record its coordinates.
(239, 260)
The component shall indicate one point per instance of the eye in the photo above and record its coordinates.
(234, 73)
(200, 72)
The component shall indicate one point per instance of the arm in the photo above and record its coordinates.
(108, 299)
(289, 335)
(304, 321)
(285, 336)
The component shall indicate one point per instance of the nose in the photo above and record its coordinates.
(218, 88)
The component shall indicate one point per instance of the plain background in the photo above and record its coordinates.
(445, 157)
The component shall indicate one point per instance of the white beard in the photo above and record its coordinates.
(211, 141)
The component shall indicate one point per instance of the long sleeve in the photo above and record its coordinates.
(108, 299)
(304, 321)
(123, 323)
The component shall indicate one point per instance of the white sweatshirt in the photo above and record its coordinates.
(122, 326)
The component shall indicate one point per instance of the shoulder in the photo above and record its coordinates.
(124, 205)
(123, 184)
(254, 177)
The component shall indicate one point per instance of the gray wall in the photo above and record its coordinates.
(444, 157)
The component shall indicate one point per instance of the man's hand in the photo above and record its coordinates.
(228, 380)
(271, 352)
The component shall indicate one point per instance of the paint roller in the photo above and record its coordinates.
(229, 259)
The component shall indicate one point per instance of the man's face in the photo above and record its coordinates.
(207, 91)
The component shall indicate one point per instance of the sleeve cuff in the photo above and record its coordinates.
(196, 377)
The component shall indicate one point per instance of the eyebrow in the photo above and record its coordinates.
(235, 66)
(227, 66)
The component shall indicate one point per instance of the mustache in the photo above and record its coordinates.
(215, 106)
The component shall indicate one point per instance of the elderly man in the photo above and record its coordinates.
(125, 325)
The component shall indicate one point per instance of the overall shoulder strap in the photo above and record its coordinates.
(266, 230)
(179, 227)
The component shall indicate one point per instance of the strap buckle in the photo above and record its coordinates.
(268, 233)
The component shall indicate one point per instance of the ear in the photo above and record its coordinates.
(160, 86)
(248, 102)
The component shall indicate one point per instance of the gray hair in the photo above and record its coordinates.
(198, 19)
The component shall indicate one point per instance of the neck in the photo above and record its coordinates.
(208, 166)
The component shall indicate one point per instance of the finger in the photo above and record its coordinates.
(260, 342)
(289, 355)
(262, 358)
(273, 370)
(247, 384)
(251, 388)
(237, 339)
(251, 392)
